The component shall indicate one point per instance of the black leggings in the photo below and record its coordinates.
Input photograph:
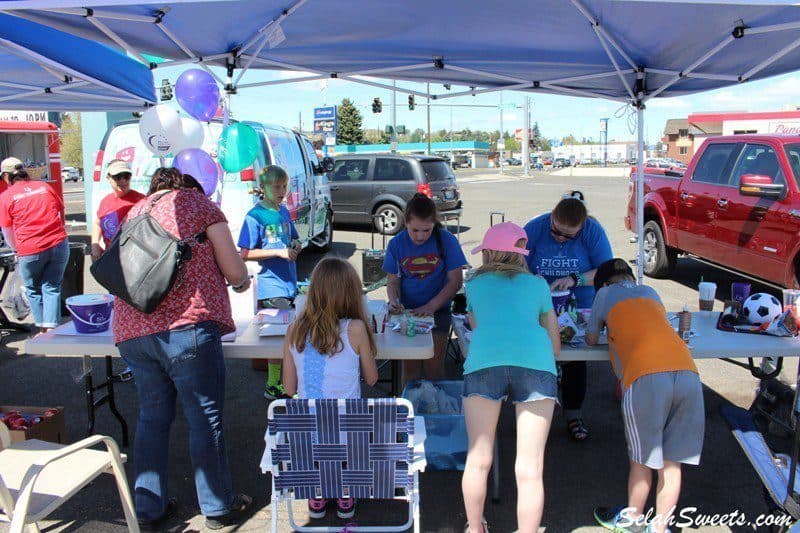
(573, 384)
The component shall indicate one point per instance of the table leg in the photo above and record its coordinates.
(112, 404)
(89, 389)
(397, 374)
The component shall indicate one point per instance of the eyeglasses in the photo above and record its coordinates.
(121, 176)
(558, 233)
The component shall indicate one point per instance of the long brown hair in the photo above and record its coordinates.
(505, 263)
(334, 293)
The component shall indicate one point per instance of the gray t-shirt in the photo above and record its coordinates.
(608, 297)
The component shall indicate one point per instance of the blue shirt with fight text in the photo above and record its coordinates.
(271, 229)
(420, 267)
(552, 259)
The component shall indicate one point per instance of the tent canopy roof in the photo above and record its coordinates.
(599, 48)
(46, 68)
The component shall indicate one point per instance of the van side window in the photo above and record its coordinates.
(350, 170)
(393, 170)
(288, 156)
(760, 160)
(312, 154)
(715, 163)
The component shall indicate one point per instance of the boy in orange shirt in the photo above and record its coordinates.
(662, 402)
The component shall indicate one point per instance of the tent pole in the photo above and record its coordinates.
(640, 192)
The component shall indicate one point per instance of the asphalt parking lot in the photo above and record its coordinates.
(577, 476)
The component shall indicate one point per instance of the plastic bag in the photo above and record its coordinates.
(15, 298)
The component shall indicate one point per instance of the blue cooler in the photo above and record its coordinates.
(446, 442)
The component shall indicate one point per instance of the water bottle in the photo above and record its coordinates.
(411, 330)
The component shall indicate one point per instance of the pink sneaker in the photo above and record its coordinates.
(345, 507)
(316, 508)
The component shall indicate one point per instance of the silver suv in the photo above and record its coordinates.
(374, 188)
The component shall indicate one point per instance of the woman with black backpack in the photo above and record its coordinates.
(423, 264)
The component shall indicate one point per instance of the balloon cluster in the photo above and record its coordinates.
(164, 132)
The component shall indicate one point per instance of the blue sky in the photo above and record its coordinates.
(557, 115)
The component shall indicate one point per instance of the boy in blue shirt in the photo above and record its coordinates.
(269, 237)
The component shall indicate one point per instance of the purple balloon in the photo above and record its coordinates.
(200, 166)
(198, 94)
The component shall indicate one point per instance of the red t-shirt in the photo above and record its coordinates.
(201, 295)
(112, 212)
(3, 186)
(36, 214)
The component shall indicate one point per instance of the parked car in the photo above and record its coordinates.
(70, 174)
(374, 188)
(561, 162)
(513, 161)
(308, 198)
(737, 205)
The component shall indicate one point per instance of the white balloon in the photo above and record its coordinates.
(160, 128)
(192, 135)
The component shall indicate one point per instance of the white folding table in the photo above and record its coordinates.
(248, 345)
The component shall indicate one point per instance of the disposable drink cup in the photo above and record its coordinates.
(560, 301)
(707, 291)
(791, 300)
(377, 311)
(740, 291)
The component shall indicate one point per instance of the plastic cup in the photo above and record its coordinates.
(791, 300)
(707, 291)
(377, 310)
(740, 291)
(560, 301)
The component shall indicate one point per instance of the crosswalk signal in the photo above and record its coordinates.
(377, 106)
(411, 104)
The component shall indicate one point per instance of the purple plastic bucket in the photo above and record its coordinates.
(560, 301)
(91, 313)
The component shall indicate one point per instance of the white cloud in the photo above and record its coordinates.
(668, 103)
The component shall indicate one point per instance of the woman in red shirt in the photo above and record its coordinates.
(113, 207)
(32, 218)
(175, 353)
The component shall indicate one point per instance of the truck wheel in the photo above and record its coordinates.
(659, 259)
(322, 242)
(388, 219)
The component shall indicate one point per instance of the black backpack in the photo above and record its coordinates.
(143, 261)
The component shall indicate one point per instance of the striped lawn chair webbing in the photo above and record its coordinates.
(337, 449)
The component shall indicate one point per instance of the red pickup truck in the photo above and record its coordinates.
(736, 205)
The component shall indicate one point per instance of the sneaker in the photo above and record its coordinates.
(484, 525)
(157, 524)
(610, 517)
(317, 507)
(274, 392)
(241, 504)
(345, 507)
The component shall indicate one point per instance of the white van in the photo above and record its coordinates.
(308, 199)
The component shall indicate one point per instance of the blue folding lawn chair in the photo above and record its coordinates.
(329, 449)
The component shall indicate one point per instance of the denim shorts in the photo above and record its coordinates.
(515, 382)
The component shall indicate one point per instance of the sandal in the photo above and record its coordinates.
(577, 430)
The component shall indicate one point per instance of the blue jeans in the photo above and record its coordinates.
(186, 363)
(42, 274)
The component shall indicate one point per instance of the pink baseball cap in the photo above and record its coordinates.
(503, 238)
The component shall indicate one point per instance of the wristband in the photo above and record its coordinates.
(576, 279)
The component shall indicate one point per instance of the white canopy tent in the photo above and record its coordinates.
(629, 51)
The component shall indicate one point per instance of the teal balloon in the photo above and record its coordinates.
(238, 147)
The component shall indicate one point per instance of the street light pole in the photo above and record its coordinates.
(394, 118)
(500, 140)
(604, 139)
(429, 117)
(526, 138)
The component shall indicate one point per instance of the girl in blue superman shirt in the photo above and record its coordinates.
(566, 247)
(423, 264)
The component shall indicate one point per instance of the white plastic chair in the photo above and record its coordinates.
(36, 477)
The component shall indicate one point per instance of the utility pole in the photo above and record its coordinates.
(394, 117)
(526, 150)
(429, 117)
(604, 139)
(452, 161)
(300, 121)
(501, 140)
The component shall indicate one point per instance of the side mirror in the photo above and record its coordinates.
(758, 185)
(325, 166)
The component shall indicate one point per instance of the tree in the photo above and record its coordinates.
(349, 119)
(536, 137)
(569, 140)
(418, 135)
(71, 141)
(375, 137)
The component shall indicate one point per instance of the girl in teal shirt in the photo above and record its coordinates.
(511, 355)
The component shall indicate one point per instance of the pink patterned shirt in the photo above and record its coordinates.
(200, 294)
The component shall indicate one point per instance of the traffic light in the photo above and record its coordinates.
(411, 104)
(377, 106)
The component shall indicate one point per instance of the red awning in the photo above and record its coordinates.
(21, 126)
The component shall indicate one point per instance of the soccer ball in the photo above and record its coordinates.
(761, 308)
